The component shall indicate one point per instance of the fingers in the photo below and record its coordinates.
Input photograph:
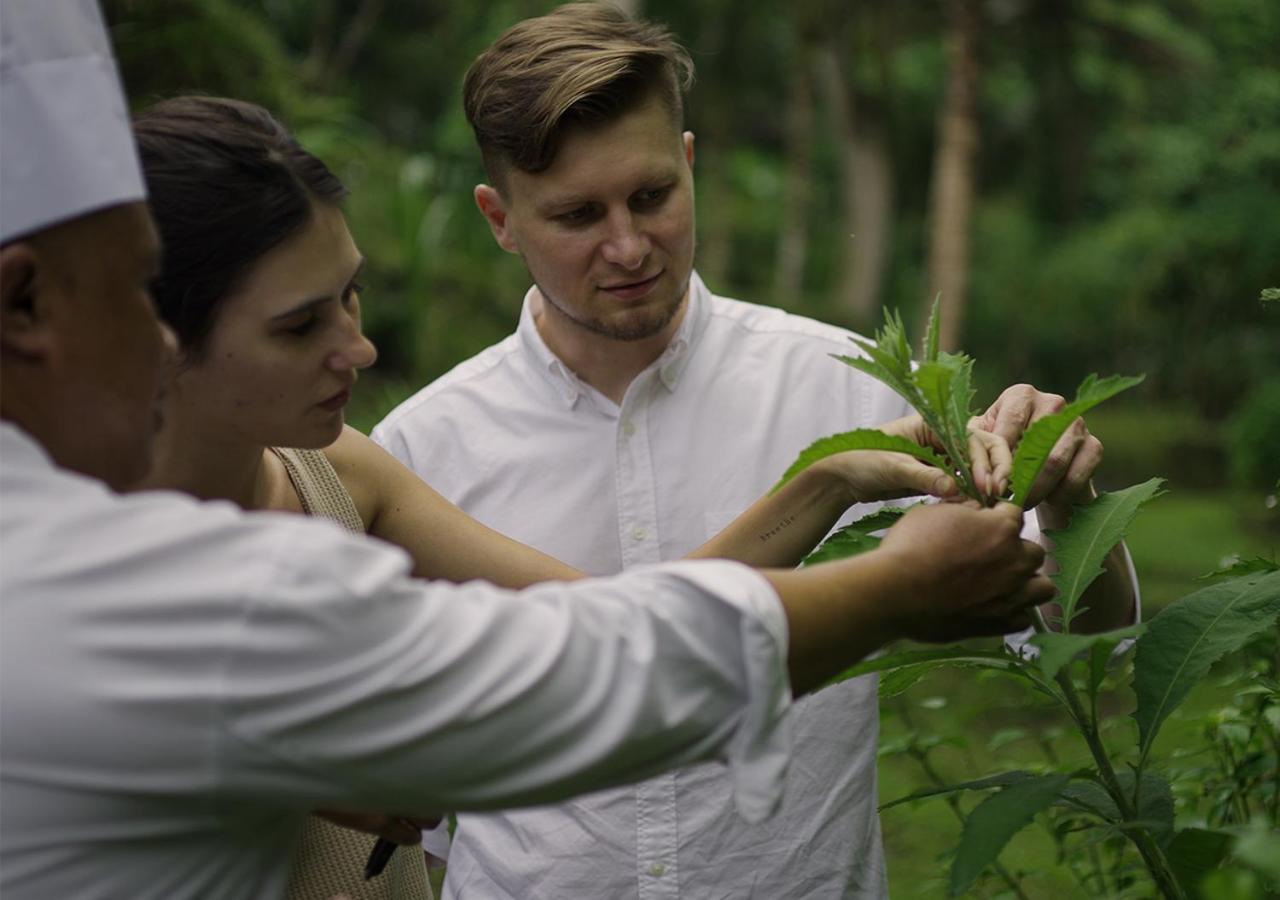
(1060, 461)
(992, 461)
(1017, 407)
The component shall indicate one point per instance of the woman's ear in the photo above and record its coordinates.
(25, 330)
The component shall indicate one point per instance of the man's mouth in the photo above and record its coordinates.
(632, 290)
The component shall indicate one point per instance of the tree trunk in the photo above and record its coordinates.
(951, 189)
(793, 236)
(866, 175)
(712, 162)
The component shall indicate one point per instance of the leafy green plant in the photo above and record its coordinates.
(1133, 801)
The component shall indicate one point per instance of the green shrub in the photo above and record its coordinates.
(1255, 437)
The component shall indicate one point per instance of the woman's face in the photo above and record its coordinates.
(282, 356)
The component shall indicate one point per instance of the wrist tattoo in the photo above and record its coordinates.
(777, 529)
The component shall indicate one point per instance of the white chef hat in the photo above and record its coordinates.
(66, 148)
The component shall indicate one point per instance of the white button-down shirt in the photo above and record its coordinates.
(515, 439)
(181, 682)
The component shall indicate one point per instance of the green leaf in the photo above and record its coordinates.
(1241, 567)
(1038, 440)
(882, 518)
(876, 367)
(945, 392)
(1096, 527)
(997, 819)
(1155, 803)
(1090, 796)
(1191, 634)
(1057, 649)
(1270, 295)
(1002, 779)
(1101, 654)
(1193, 853)
(930, 349)
(859, 439)
(955, 656)
(1259, 847)
(895, 682)
(844, 543)
(856, 537)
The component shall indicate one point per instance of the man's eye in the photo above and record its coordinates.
(652, 197)
(575, 216)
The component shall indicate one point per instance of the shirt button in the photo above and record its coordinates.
(639, 533)
(628, 428)
(657, 870)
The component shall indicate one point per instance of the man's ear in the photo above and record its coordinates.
(25, 330)
(494, 209)
(687, 137)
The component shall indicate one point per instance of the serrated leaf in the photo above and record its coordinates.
(859, 439)
(1038, 440)
(1191, 634)
(896, 681)
(1089, 796)
(1057, 649)
(1241, 567)
(933, 330)
(1155, 803)
(1194, 852)
(856, 537)
(945, 394)
(1096, 527)
(1001, 779)
(842, 544)
(961, 656)
(882, 518)
(1100, 656)
(997, 819)
(898, 382)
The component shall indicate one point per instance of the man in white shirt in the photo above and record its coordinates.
(632, 415)
(181, 683)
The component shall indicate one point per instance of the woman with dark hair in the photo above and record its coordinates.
(260, 284)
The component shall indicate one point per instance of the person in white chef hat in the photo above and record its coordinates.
(180, 683)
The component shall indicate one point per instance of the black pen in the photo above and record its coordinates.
(379, 858)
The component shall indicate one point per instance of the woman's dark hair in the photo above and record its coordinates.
(226, 184)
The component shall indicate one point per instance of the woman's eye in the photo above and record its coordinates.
(352, 293)
(302, 328)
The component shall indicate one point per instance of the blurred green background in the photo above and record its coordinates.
(1094, 185)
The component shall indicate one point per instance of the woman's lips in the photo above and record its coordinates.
(336, 402)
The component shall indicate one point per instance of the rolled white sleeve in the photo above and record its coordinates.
(353, 686)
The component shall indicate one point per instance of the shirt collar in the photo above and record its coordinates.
(22, 449)
(669, 366)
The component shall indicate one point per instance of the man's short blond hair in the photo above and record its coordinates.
(582, 65)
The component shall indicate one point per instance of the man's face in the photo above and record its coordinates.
(607, 232)
(111, 348)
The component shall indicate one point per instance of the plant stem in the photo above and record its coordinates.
(922, 757)
(1157, 863)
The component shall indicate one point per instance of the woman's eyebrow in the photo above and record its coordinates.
(309, 303)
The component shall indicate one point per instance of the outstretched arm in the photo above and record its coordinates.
(780, 529)
(445, 542)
